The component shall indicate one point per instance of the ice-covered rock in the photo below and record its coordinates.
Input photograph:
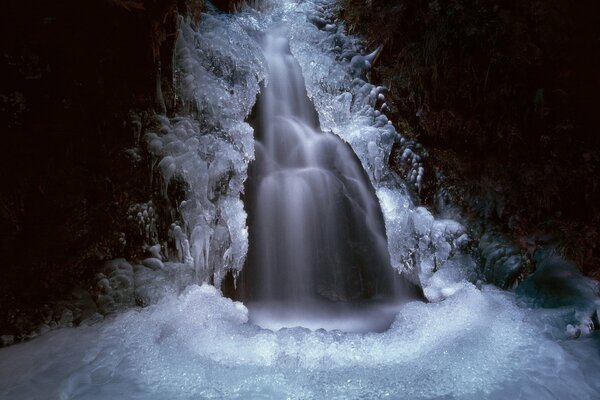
(116, 286)
(421, 246)
(503, 262)
(155, 251)
(209, 146)
(143, 216)
(154, 280)
(154, 264)
(557, 283)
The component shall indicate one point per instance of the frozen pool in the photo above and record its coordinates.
(475, 344)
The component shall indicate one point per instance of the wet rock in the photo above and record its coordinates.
(596, 319)
(66, 318)
(6, 340)
(558, 282)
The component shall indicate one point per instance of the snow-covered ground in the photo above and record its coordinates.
(469, 342)
(475, 344)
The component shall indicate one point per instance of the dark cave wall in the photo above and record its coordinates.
(227, 5)
(80, 82)
(503, 94)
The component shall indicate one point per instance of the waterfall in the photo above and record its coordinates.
(316, 233)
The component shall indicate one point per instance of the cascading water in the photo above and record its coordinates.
(316, 233)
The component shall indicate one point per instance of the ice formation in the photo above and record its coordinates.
(219, 66)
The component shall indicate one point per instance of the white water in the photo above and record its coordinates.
(472, 343)
(317, 235)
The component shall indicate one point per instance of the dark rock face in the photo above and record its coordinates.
(227, 5)
(503, 94)
(80, 82)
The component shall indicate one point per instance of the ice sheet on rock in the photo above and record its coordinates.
(155, 280)
(219, 66)
(421, 246)
(122, 285)
(473, 345)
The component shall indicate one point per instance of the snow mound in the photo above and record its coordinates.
(473, 345)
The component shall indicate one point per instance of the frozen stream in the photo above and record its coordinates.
(470, 341)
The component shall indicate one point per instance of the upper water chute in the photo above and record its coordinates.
(316, 229)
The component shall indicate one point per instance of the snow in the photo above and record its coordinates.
(475, 344)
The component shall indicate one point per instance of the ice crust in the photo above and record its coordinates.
(475, 344)
(219, 68)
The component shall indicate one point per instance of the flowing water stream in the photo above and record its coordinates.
(318, 250)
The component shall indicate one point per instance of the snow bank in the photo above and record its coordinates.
(475, 344)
